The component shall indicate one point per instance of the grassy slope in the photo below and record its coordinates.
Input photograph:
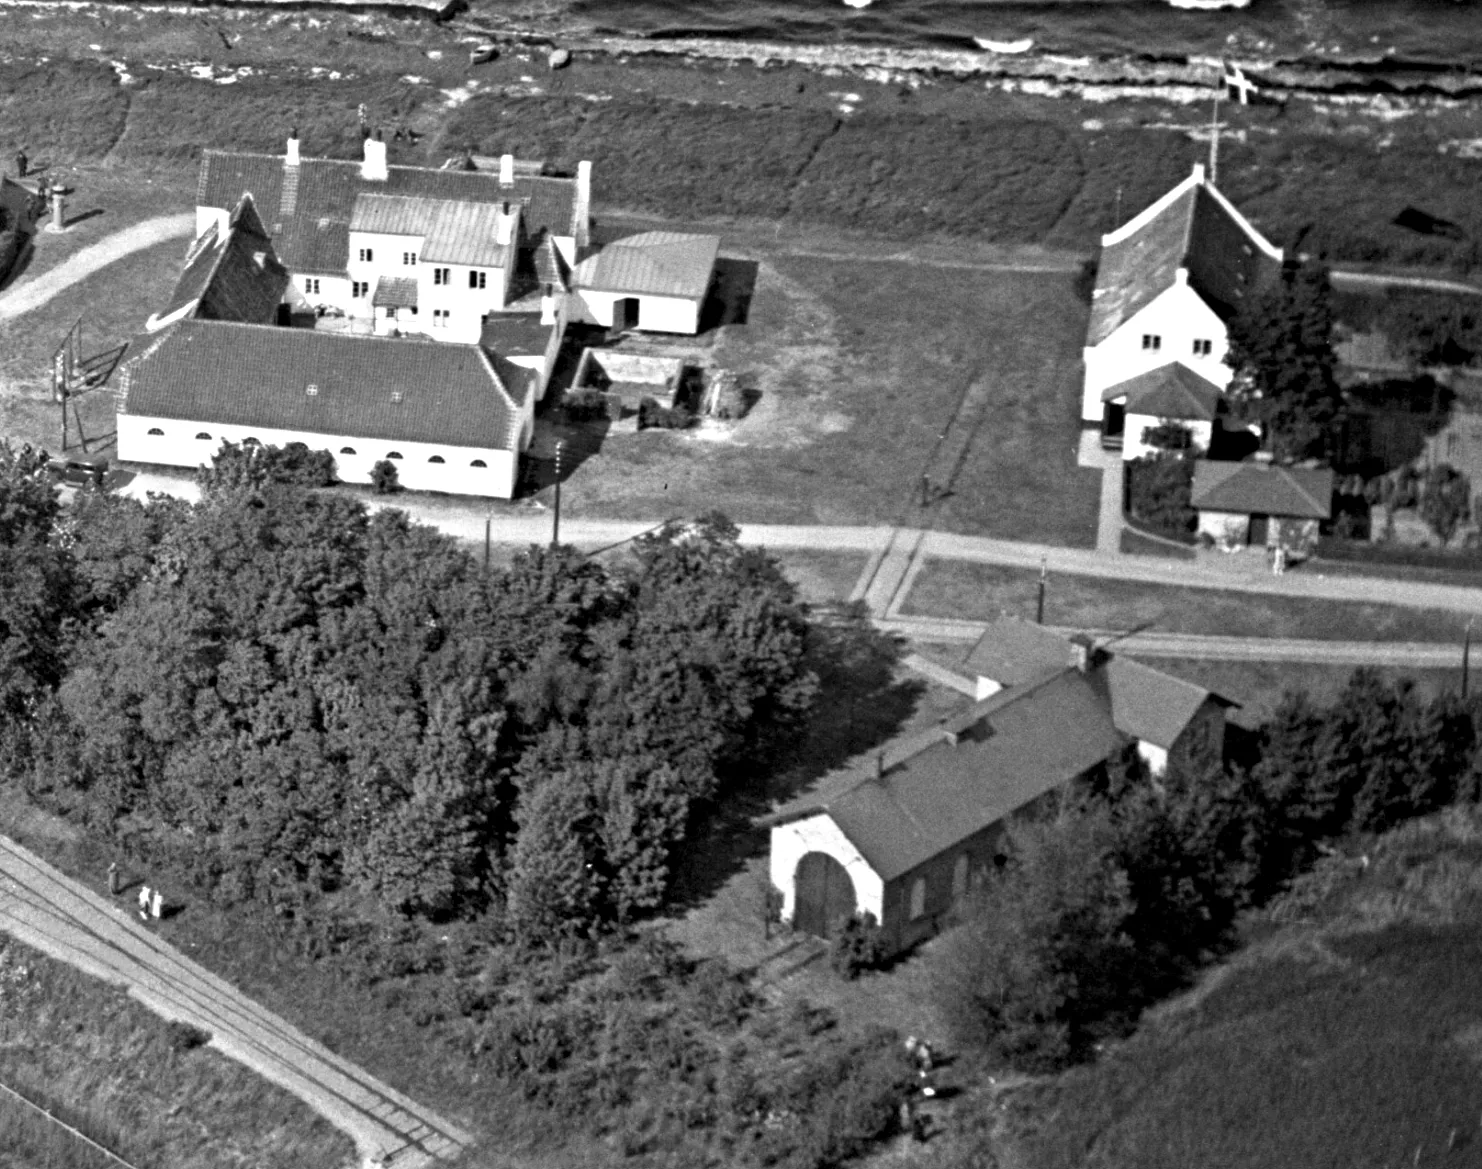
(1349, 1039)
(72, 1042)
(984, 591)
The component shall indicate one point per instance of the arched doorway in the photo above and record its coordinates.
(824, 894)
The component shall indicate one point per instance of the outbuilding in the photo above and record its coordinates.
(655, 282)
(1261, 504)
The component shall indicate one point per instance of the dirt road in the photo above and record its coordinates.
(48, 910)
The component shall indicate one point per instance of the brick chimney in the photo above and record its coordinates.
(506, 170)
(1082, 653)
(290, 157)
(373, 166)
(581, 213)
(506, 223)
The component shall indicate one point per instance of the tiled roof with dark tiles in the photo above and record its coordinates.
(1192, 227)
(1151, 705)
(655, 263)
(366, 387)
(550, 264)
(1262, 489)
(230, 276)
(1009, 750)
(395, 292)
(314, 237)
(1013, 652)
(1170, 391)
(515, 334)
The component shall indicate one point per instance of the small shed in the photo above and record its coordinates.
(1260, 504)
(656, 282)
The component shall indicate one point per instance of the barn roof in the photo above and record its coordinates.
(1194, 229)
(1013, 652)
(231, 275)
(943, 786)
(1262, 489)
(308, 208)
(655, 263)
(1170, 391)
(328, 383)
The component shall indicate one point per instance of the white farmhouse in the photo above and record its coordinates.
(1167, 284)
(451, 418)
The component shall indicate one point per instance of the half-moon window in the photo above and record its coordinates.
(156, 430)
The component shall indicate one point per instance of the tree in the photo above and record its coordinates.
(1432, 328)
(384, 478)
(252, 466)
(1160, 489)
(1169, 435)
(1445, 500)
(1282, 353)
(552, 888)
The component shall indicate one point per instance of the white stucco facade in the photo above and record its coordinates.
(794, 840)
(1177, 325)
(1228, 529)
(656, 314)
(176, 443)
(1134, 447)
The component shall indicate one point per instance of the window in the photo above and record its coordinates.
(442, 275)
(312, 390)
(367, 255)
(391, 312)
(440, 318)
(414, 310)
(250, 441)
(1152, 341)
(311, 285)
(478, 463)
(476, 279)
(1203, 347)
(394, 455)
(203, 437)
(358, 288)
(347, 450)
(959, 878)
(918, 897)
(156, 430)
(436, 459)
(409, 258)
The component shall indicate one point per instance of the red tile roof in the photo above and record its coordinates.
(1193, 227)
(308, 208)
(1170, 391)
(1262, 489)
(655, 263)
(369, 387)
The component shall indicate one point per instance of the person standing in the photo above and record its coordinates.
(113, 878)
(156, 905)
(144, 903)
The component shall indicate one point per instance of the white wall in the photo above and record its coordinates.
(1180, 317)
(656, 314)
(791, 842)
(386, 260)
(178, 446)
(1154, 756)
(1228, 528)
(206, 216)
(1133, 447)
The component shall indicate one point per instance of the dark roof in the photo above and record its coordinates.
(395, 292)
(1010, 749)
(1170, 391)
(515, 334)
(1193, 227)
(550, 264)
(658, 263)
(231, 276)
(1262, 489)
(1151, 705)
(371, 387)
(1013, 652)
(308, 208)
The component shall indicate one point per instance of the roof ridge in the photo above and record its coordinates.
(1299, 489)
(1245, 224)
(497, 380)
(1150, 212)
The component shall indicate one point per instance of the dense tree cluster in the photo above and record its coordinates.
(296, 696)
(1115, 901)
(1281, 348)
(1160, 488)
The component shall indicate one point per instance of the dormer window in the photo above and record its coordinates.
(396, 397)
(311, 390)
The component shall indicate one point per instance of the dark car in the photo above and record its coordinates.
(79, 470)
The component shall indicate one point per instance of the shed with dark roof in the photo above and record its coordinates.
(1262, 504)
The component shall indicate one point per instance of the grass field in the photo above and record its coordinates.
(822, 576)
(108, 1066)
(980, 592)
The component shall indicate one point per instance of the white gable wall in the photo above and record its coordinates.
(792, 841)
(656, 314)
(1178, 316)
(206, 217)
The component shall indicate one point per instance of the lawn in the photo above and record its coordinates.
(982, 592)
(822, 577)
(863, 366)
(108, 1066)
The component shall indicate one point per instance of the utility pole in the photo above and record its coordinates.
(556, 518)
(1039, 611)
(1466, 658)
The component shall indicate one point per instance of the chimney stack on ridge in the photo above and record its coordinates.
(290, 158)
(581, 213)
(373, 166)
(506, 170)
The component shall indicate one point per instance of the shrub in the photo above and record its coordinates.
(252, 466)
(585, 406)
(1169, 435)
(10, 250)
(1159, 490)
(184, 1036)
(384, 478)
(652, 416)
(857, 947)
(1445, 500)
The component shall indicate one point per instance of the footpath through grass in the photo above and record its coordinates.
(117, 1072)
(983, 592)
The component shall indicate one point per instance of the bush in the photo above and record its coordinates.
(857, 947)
(652, 416)
(1159, 488)
(252, 466)
(585, 406)
(184, 1036)
(384, 478)
(10, 250)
